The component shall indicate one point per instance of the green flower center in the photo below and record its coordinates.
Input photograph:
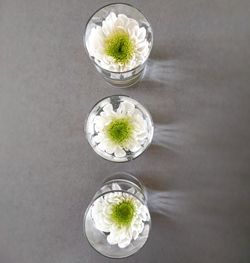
(119, 131)
(122, 214)
(119, 46)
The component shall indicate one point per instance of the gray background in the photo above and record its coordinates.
(197, 88)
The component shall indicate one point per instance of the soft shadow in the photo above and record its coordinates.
(158, 73)
(162, 73)
(168, 136)
(162, 200)
(164, 203)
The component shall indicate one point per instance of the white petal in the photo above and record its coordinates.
(95, 40)
(99, 138)
(141, 136)
(98, 218)
(114, 199)
(135, 234)
(101, 225)
(108, 24)
(98, 127)
(110, 147)
(108, 115)
(133, 31)
(98, 119)
(140, 46)
(133, 27)
(119, 152)
(131, 190)
(122, 20)
(121, 109)
(141, 227)
(116, 186)
(128, 74)
(144, 216)
(107, 212)
(96, 208)
(126, 107)
(124, 242)
(103, 145)
(108, 108)
(100, 122)
(107, 27)
(141, 34)
(133, 145)
(106, 145)
(112, 17)
(112, 238)
(139, 122)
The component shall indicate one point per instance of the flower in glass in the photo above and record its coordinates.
(119, 131)
(120, 215)
(119, 44)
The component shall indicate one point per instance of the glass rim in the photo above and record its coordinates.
(137, 182)
(84, 37)
(94, 148)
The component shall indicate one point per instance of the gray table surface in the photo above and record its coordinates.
(197, 89)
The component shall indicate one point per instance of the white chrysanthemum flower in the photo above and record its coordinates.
(119, 44)
(119, 131)
(120, 215)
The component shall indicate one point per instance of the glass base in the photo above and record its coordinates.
(125, 83)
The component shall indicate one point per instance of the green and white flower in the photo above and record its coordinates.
(120, 130)
(120, 215)
(119, 44)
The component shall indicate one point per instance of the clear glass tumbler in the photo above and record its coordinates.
(118, 39)
(117, 221)
(119, 128)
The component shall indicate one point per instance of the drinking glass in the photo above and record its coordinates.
(96, 33)
(121, 187)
